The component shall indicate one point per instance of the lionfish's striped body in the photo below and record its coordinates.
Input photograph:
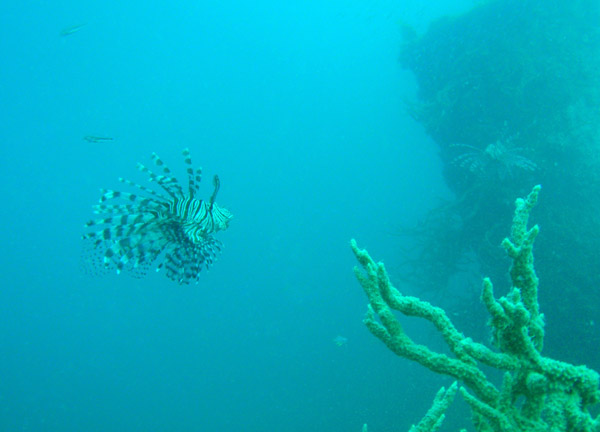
(171, 230)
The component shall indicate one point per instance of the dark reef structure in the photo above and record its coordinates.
(510, 92)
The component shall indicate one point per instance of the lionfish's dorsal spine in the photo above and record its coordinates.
(194, 177)
(167, 177)
(213, 197)
(163, 181)
(144, 189)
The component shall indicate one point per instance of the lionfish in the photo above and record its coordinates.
(171, 230)
(497, 159)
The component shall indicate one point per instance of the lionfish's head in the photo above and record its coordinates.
(221, 217)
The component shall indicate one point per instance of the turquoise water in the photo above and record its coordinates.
(299, 108)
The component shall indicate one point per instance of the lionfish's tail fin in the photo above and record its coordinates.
(194, 177)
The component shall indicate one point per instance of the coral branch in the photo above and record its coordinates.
(537, 393)
(436, 414)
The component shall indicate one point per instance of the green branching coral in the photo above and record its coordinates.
(537, 393)
(432, 421)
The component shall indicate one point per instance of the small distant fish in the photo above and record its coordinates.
(97, 139)
(68, 31)
(340, 341)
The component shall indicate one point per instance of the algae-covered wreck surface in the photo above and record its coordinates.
(510, 93)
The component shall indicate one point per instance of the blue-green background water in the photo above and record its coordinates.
(299, 107)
